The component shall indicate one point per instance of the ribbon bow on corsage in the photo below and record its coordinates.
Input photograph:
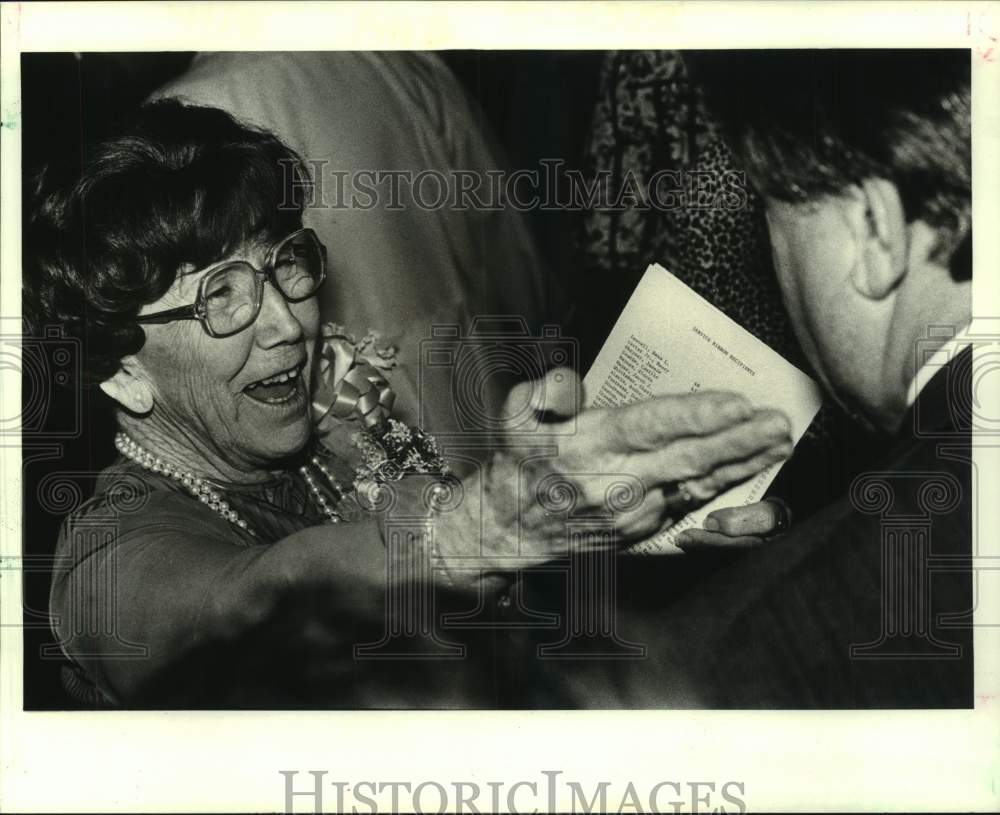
(351, 381)
(351, 386)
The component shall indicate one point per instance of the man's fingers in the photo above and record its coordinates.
(651, 424)
(738, 527)
(691, 540)
(763, 518)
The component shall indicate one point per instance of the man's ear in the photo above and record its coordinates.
(884, 238)
(129, 387)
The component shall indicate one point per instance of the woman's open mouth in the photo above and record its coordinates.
(281, 389)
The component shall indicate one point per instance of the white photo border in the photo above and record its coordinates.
(230, 761)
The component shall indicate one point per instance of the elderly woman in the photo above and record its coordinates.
(231, 532)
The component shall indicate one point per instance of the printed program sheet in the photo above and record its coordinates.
(670, 340)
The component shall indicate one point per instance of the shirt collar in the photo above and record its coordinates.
(932, 364)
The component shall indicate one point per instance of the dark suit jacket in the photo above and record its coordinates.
(866, 604)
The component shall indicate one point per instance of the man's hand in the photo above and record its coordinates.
(738, 527)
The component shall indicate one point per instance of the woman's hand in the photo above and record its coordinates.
(738, 527)
(615, 470)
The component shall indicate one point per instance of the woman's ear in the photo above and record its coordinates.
(884, 238)
(129, 387)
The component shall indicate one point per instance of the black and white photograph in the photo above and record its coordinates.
(478, 386)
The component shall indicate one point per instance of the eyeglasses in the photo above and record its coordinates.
(231, 293)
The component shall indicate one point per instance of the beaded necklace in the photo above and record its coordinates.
(210, 494)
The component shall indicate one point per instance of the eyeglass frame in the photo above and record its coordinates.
(196, 310)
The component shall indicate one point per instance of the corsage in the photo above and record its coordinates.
(352, 387)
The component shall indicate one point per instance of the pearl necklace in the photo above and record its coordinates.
(321, 500)
(206, 492)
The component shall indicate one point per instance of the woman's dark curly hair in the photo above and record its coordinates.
(174, 184)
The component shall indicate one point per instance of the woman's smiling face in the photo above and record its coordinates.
(209, 389)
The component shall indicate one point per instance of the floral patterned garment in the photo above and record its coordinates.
(704, 223)
(649, 118)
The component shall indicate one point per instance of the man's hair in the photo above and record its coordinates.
(174, 184)
(811, 123)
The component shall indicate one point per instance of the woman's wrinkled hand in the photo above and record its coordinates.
(619, 467)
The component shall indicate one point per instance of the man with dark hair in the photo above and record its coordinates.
(812, 123)
(863, 161)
